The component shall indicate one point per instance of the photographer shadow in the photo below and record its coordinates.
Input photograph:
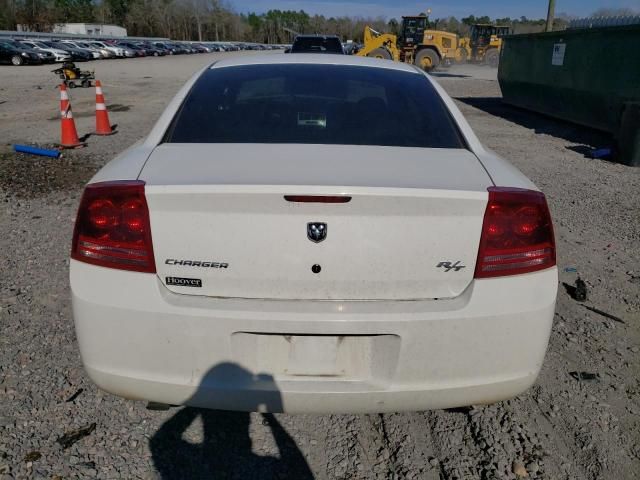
(225, 451)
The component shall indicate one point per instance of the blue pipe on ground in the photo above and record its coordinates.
(37, 151)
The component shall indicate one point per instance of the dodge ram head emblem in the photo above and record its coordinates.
(316, 231)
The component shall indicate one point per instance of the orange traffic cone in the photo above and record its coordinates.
(103, 127)
(69, 136)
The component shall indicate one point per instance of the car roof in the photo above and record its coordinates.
(313, 59)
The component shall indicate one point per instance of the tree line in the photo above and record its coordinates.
(216, 20)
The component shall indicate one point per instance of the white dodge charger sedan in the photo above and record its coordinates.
(312, 233)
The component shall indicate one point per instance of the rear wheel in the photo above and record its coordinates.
(380, 53)
(492, 58)
(16, 60)
(629, 135)
(427, 59)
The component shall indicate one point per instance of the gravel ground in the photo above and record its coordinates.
(580, 421)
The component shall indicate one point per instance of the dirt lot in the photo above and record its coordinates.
(580, 421)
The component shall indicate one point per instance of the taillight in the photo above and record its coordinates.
(517, 234)
(112, 228)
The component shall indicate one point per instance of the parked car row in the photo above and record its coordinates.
(18, 51)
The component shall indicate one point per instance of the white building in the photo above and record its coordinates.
(98, 29)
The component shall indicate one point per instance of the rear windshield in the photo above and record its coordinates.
(316, 45)
(320, 104)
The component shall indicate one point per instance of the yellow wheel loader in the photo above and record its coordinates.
(379, 45)
(483, 45)
(417, 44)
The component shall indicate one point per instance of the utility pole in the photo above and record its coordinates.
(550, 15)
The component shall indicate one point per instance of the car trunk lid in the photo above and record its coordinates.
(226, 222)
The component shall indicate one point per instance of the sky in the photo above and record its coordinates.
(439, 8)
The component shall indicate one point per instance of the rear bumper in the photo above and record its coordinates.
(140, 341)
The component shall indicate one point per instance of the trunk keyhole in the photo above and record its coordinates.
(316, 268)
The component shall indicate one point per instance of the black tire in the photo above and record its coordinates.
(629, 135)
(16, 60)
(464, 58)
(427, 59)
(492, 58)
(380, 53)
(72, 84)
(86, 83)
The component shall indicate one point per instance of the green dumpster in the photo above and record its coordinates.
(587, 76)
